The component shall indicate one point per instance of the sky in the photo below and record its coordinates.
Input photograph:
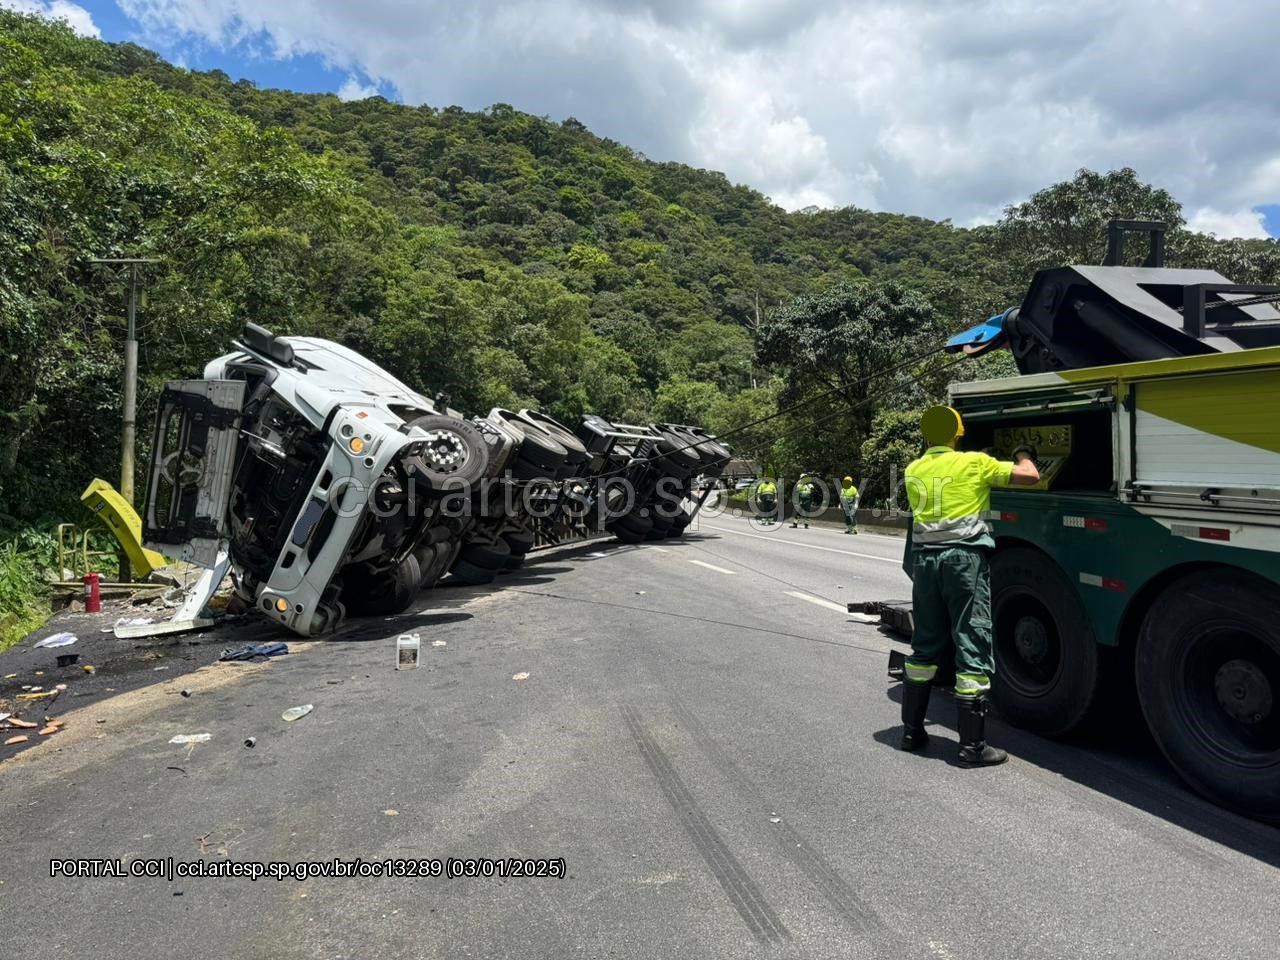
(947, 109)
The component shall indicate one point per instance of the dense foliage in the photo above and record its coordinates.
(494, 256)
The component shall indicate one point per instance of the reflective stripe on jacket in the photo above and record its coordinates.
(950, 496)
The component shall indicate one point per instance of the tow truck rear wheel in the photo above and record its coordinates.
(1208, 678)
(1046, 655)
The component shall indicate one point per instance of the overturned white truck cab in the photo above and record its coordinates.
(324, 485)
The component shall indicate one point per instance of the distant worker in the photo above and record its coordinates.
(805, 488)
(950, 496)
(767, 495)
(849, 504)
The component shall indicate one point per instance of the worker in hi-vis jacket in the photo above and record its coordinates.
(948, 548)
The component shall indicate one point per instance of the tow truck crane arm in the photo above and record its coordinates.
(1087, 316)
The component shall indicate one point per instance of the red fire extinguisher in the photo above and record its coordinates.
(92, 593)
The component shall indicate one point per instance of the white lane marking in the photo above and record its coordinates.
(660, 549)
(829, 604)
(808, 546)
(712, 566)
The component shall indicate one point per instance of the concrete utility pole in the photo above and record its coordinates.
(128, 428)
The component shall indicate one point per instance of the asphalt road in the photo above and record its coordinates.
(704, 737)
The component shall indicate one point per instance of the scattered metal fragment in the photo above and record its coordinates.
(192, 738)
(296, 713)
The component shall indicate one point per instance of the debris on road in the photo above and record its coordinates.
(90, 669)
(391, 813)
(185, 693)
(250, 742)
(21, 724)
(439, 643)
(408, 646)
(45, 731)
(21, 738)
(251, 651)
(183, 738)
(56, 640)
(523, 675)
(38, 696)
(296, 713)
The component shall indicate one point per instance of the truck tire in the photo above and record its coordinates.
(1208, 679)
(433, 562)
(537, 446)
(661, 528)
(631, 528)
(386, 594)
(1046, 655)
(469, 573)
(456, 452)
(487, 556)
(519, 541)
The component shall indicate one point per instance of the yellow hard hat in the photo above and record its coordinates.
(941, 425)
(848, 479)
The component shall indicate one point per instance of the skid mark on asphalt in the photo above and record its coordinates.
(738, 886)
(844, 900)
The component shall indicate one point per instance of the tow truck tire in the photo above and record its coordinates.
(462, 457)
(387, 594)
(1046, 655)
(1208, 679)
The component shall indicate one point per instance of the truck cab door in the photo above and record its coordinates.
(193, 457)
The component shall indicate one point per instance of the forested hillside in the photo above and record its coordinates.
(499, 257)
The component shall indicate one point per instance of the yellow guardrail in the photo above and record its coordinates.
(125, 524)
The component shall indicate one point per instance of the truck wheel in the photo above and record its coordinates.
(631, 528)
(454, 452)
(519, 541)
(1046, 655)
(386, 594)
(469, 573)
(661, 529)
(433, 561)
(1208, 678)
(487, 556)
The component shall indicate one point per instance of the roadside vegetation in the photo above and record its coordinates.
(498, 257)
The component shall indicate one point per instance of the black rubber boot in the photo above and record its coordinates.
(915, 702)
(971, 722)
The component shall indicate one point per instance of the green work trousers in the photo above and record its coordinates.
(951, 604)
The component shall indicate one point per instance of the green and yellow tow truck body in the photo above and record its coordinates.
(1144, 568)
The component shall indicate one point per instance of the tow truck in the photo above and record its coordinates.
(1146, 561)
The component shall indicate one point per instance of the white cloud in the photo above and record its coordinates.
(938, 109)
(78, 18)
(353, 89)
(1239, 223)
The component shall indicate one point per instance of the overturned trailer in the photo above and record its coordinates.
(325, 486)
